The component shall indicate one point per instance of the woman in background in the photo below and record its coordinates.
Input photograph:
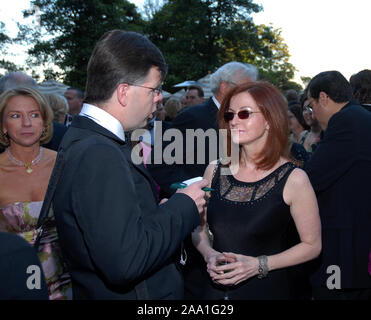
(59, 105)
(298, 127)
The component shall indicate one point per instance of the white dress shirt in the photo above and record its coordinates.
(216, 102)
(104, 119)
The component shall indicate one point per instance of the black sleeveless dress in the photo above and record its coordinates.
(251, 219)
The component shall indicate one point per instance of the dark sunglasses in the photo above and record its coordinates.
(243, 114)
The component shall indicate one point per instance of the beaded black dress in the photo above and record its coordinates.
(251, 219)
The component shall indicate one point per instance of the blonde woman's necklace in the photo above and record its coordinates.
(27, 165)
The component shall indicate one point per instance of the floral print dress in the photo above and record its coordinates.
(21, 218)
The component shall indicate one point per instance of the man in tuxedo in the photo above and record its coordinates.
(75, 98)
(117, 240)
(202, 116)
(340, 172)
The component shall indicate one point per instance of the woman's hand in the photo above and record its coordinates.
(239, 268)
(212, 260)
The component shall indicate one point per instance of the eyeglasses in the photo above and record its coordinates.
(308, 108)
(243, 114)
(156, 91)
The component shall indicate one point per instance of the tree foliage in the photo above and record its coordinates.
(264, 47)
(195, 36)
(4, 41)
(67, 31)
(198, 36)
(191, 34)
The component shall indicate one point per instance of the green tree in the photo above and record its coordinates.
(197, 36)
(4, 41)
(305, 80)
(264, 47)
(191, 34)
(65, 32)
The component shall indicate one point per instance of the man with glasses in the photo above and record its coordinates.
(118, 242)
(340, 172)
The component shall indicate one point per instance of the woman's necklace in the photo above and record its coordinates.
(27, 165)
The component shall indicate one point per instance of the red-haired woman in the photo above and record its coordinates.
(251, 208)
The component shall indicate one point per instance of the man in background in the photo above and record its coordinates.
(194, 95)
(340, 172)
(75, 98)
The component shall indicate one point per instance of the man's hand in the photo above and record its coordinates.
(196, 193)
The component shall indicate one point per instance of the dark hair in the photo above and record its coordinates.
(273, 107)
(303, 97)
(297, 111)
(118, 57)
(291, 95)
(200, 92)
(333, 84)
(361, 86)
(80, 94)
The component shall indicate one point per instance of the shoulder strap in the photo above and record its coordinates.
(216, 167)
(53, 182)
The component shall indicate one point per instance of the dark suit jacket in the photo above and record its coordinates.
(340, 172)
(58, 132)
(113, 234)
(202, 116)
(16, 255)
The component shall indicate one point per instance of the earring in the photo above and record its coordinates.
(6, 137)
(43, 133)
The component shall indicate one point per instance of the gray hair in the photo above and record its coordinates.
(232, 71)
(16, 79)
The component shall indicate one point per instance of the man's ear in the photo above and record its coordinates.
(122, 93)
(323, 97)
(223, 87)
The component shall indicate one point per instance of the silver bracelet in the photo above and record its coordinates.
(263, 267)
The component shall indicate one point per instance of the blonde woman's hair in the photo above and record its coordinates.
(45, 111)
(58, 104)
(172, 107)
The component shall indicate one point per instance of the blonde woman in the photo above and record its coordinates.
(25, 169)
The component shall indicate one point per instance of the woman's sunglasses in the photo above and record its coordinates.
(243, 114)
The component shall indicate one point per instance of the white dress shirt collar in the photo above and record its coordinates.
(104, 119)
(216, 102)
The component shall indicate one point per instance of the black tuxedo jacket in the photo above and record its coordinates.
(202, 116)
(117, 241)
(340, 172)
(58, 132)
